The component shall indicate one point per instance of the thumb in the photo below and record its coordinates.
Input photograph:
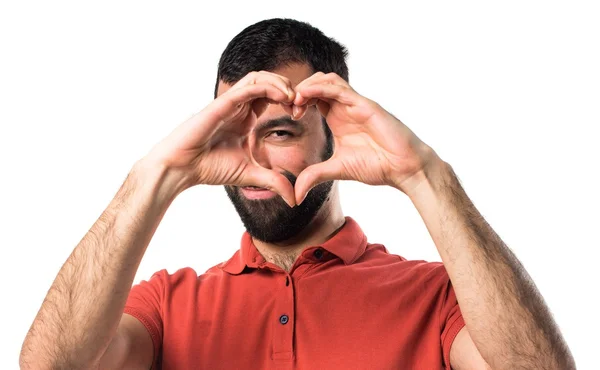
(259, 176)
(315, 174)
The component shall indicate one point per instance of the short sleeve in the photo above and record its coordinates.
(451, 320)
(144, 303)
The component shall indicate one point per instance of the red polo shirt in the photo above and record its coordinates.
(345, 304)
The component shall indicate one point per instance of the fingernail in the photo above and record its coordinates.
(295, 110)
(290, 93)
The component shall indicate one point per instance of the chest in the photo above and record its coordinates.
(303, 321)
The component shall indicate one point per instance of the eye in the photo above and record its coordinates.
(280, 134)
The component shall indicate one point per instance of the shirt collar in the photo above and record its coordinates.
(349, 243)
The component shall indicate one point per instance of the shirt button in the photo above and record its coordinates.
(318, 253)
(283, 319)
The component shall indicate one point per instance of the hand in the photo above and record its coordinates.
(212, 147)
(371, 145)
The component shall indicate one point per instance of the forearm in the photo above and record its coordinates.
(82, 308)
(503, 310)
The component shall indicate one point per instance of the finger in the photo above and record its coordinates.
(312, 101)
(269, 179)
(332, 78)
(322, 106)
(231, 100)
(322, 78)
(288, 109)
(315, 174)
(226, 106)
(298, 111)
(196, 130)
(257, 78)
(310, 80)
(339, 93)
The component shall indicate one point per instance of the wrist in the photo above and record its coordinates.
(431, 178)
(431, 173)
(162, 182)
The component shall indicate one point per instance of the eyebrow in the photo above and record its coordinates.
(278, 122)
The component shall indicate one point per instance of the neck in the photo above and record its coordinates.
(324, 225)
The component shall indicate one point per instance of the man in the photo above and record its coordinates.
(306, 290)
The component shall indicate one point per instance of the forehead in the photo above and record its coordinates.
(296, 73)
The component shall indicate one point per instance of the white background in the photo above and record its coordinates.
(507, 93)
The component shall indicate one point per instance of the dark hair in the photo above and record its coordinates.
(273, 43)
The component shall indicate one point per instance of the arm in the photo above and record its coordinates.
(82, 309)
(503, 311)
(78, 323)
(506, 316)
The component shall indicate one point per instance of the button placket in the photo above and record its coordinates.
(283, 321)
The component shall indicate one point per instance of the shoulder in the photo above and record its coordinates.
(426, 269)
(184, 276)
(411, 275)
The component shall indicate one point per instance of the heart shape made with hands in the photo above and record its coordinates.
(259, 107)
(370, 145)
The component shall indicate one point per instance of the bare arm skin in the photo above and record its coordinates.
(506, 317)
(81, 323)
(84, 305)
(504, 312)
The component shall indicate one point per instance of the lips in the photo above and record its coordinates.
(255, 192)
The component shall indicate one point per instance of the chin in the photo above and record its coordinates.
(270, 219)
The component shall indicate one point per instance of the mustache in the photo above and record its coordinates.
(287, 174)
(290, 176)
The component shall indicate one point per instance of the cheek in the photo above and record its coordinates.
(293, 158)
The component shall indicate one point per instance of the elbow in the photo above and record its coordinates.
(40, 356)
(33, 363)
(33, 358)
(36, 362)
(30, 359)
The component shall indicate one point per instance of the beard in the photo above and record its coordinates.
(272, 220)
